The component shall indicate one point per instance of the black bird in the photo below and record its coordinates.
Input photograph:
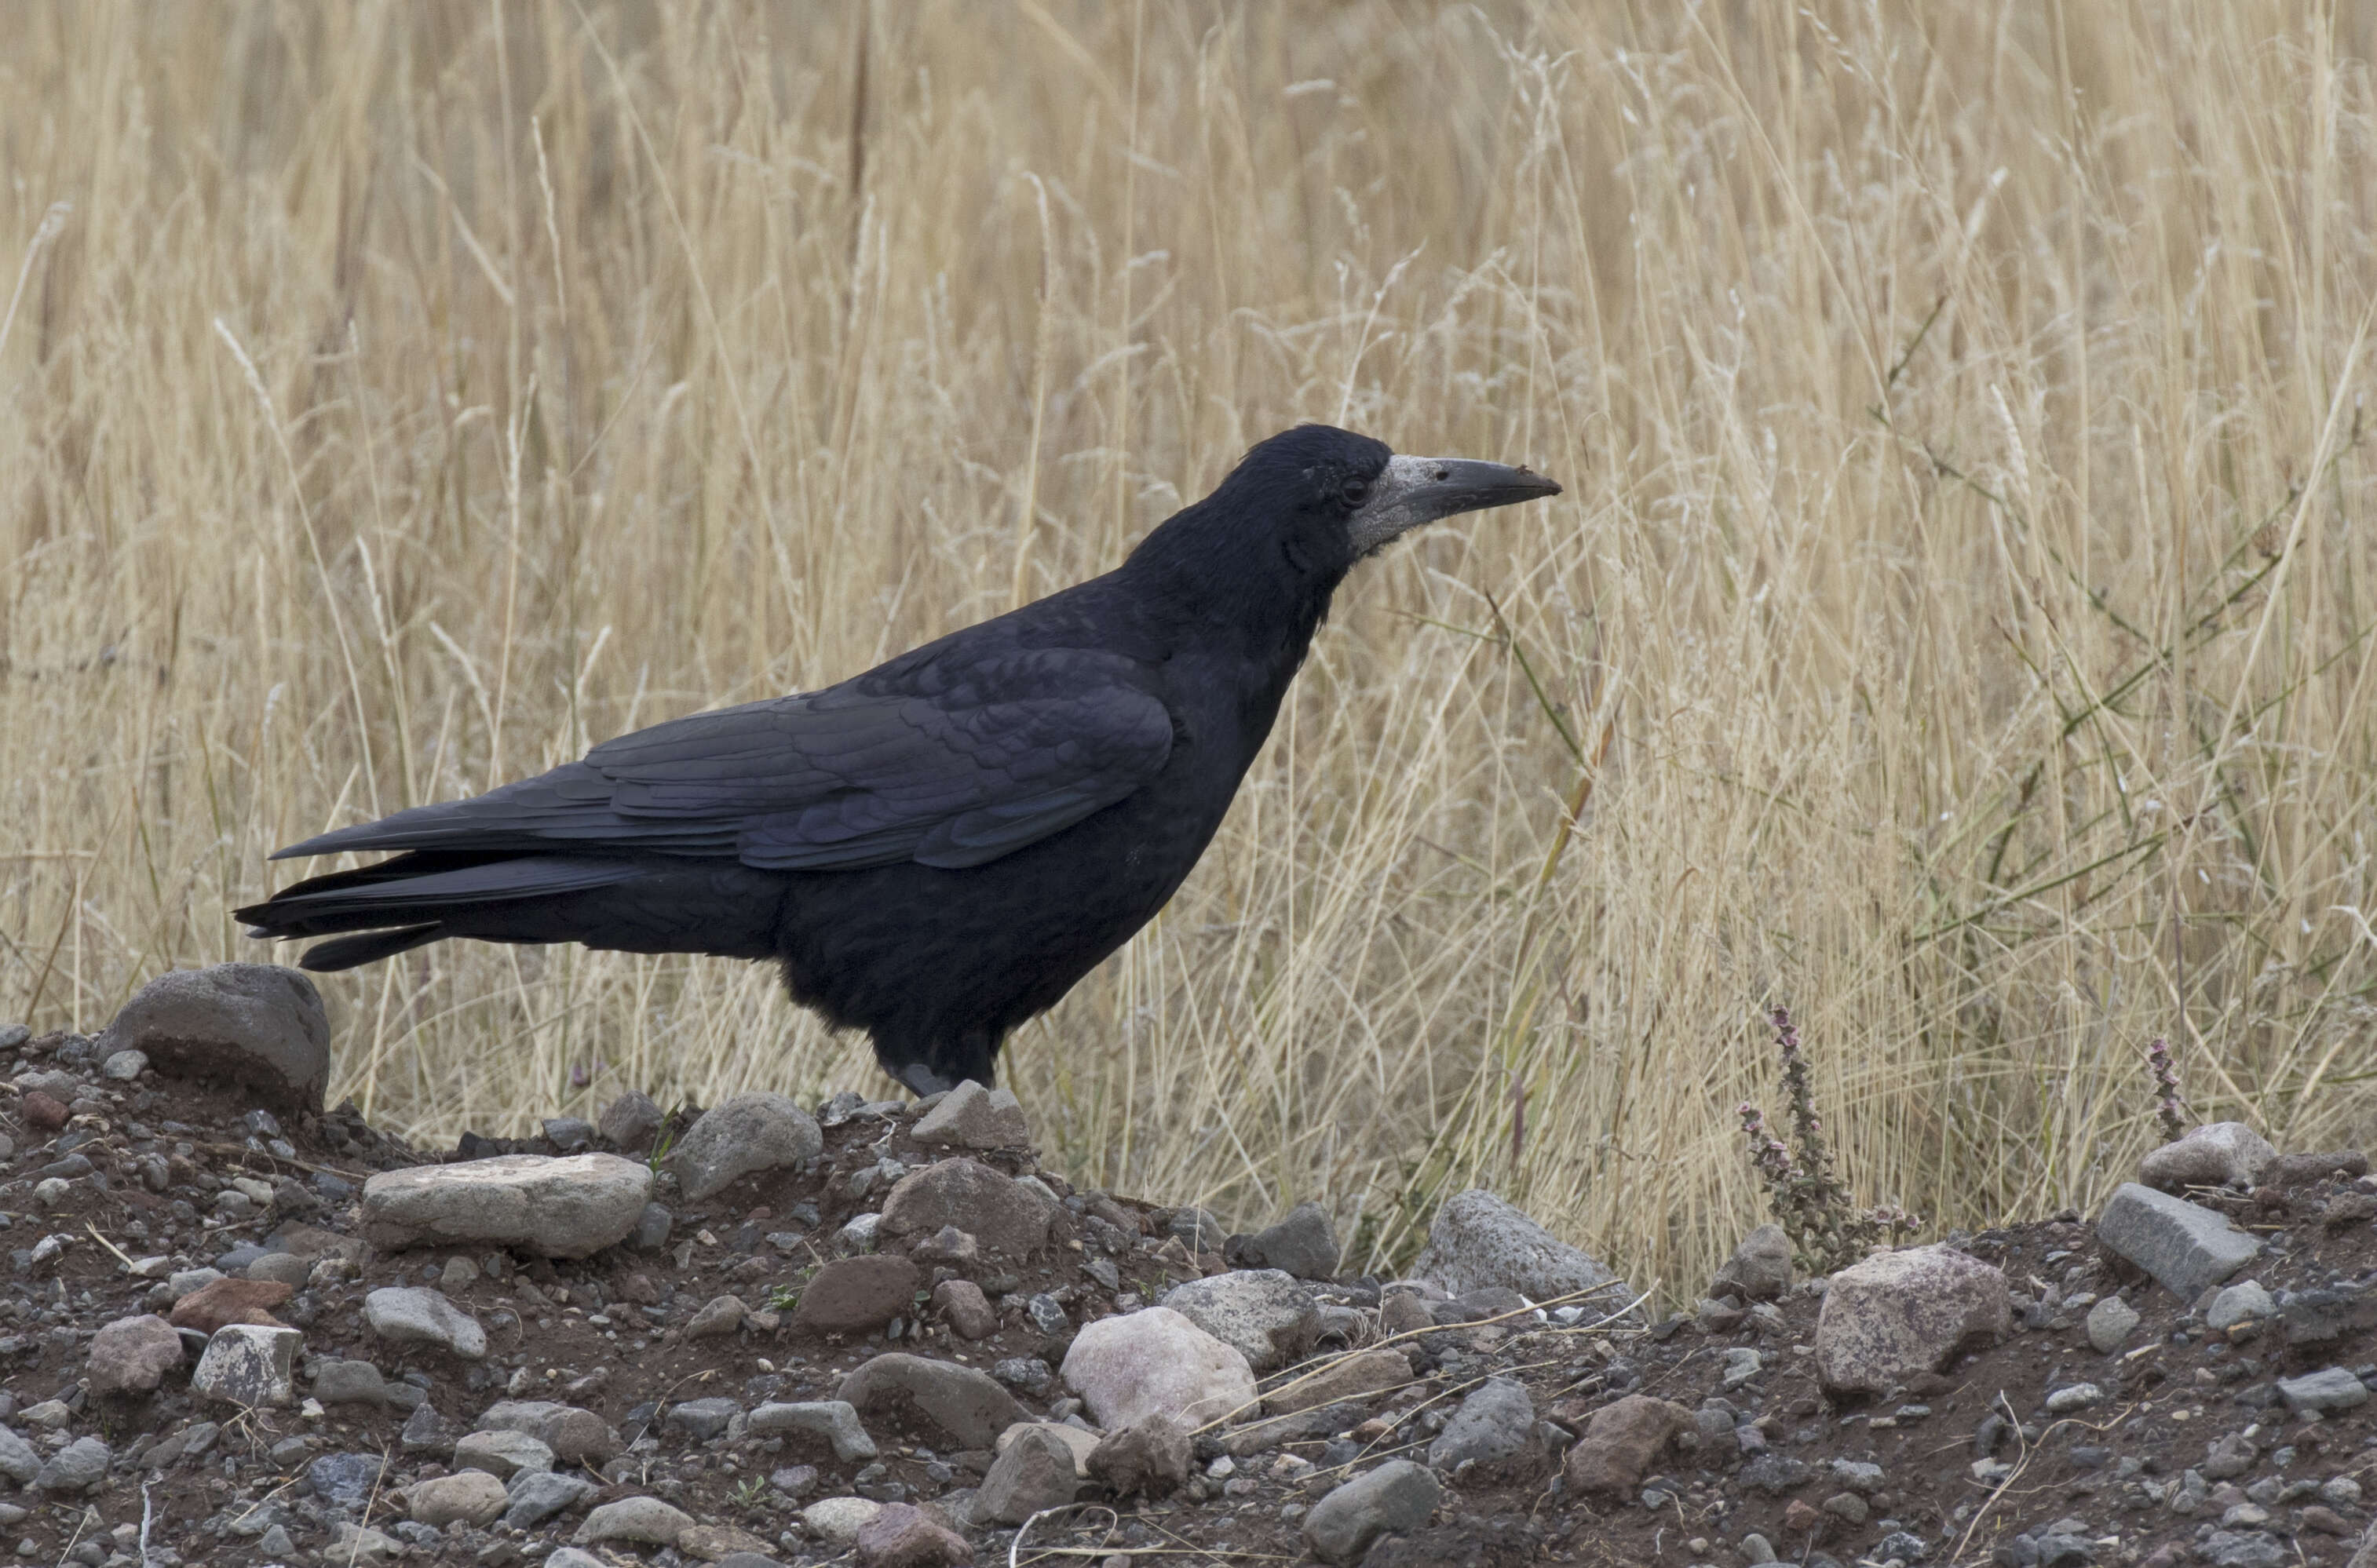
(935, 850)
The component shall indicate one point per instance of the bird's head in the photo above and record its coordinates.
(1318, 499)
(1353, 496)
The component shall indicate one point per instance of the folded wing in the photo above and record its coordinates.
(918, 760)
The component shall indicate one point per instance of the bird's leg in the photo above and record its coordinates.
(922, 1080)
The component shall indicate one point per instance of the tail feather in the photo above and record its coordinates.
(645, 904)
(367, 947)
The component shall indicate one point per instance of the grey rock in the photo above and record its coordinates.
(701, 1419)
(1759, 1269)
(2327, 1313)
(1756, 1549)
(1898, 1314)
(651, 1232)
(963, 1403)
(835, 1420)
(1129, 1367)
(2331, 1388)
(427, 1432)
(283, 1269)
(570, 1557)
(2110, 1322)
(1028, 1374)
(258, 1026)
(2187, 1249)
(2238, 1304)
(349, 1382)
(570, 1134)
(1264, 1314)
(748, 1134)
(1857, 1476)
(76, 1468)
(19, 1461)
(2243, 1548)
(1002, 1215)
(1197, 1231)
(503, 1453)
(1304, 1244)
(1477, 1240)
(2073, 1397)
(970, 1116)
(567, 1206)
(471, 1498)
(1491, 1436)
(574, 1435)
(838, 1520)
(645, 1521)
(535, 1496)
(631, 1121)
(344, 1479)
(248, 1364)
(415, 1314)
(1395, 1498)
(124, 1066)
(1036, 1472)
(2210, 1156)
(1773, 1472)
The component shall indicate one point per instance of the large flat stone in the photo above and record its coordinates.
(567, 1207)
(964, 1403)
(2187, 1249)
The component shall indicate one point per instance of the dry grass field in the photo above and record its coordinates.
(1958, 625)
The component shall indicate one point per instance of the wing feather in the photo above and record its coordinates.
(946, 767)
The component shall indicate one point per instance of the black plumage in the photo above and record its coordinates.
(938, 848)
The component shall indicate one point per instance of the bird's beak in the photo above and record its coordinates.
(1414, 491)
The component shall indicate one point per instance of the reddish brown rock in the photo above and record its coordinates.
(905, 1536)
(1800, 1518)
(854, 1295)
(966, 1309)
(1624, 1439)
(41, 1113)
(225, 1302)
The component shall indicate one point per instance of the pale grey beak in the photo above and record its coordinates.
(1414, 491)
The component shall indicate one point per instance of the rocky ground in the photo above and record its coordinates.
(238, 1329)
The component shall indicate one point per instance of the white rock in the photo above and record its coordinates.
(466, 1497)
(646, 1521)
(501, 1453)
(248, 1364)
(2211, 1155)
(838, 1520)
(2237, 1304)
(1126, 1367)
(567, 1208)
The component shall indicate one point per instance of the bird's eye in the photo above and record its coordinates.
(1356, 491)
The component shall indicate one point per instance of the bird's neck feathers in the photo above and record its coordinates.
(1226, 570)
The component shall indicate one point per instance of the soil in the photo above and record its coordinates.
(2102, 1484)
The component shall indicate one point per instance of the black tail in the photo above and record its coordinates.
(641, 903)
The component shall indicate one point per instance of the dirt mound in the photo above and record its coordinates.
(669, 1397)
